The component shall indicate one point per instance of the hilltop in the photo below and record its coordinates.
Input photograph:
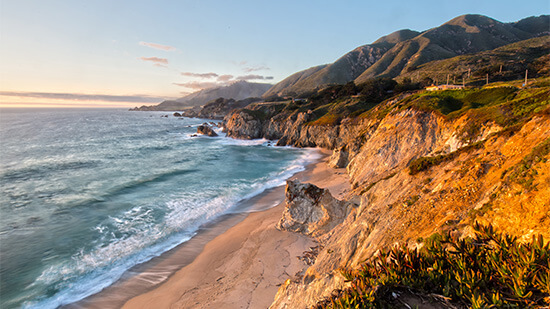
(404, 51)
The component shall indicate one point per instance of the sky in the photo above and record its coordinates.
(117, 53)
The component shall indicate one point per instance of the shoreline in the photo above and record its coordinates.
(244, 266)
(148, 277)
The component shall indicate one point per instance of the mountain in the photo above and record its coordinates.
(343, 70)
(462, 35)
(405, 50)
(287, 83)
(238, 91)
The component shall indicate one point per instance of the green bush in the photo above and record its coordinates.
(489, 270)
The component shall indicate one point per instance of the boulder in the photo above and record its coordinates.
(339, 158)
(206, 130)
(311, 210)
(176, 114)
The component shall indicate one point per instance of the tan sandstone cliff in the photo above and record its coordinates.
(499, 176)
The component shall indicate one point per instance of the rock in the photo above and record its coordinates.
(339, 158)
(176, 114)
(311, 210)
(206, 130)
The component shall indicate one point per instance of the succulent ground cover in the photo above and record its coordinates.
(488, 270)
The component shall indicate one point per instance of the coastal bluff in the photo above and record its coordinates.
(413, 172)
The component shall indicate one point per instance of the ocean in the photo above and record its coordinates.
(86, 194)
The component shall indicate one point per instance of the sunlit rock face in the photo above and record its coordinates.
(311, 210)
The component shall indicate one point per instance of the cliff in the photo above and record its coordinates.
(419, 163)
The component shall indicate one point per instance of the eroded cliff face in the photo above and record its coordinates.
(498, 176)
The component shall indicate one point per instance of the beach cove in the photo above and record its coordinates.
(239, 262)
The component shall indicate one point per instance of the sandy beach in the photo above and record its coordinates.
(244, 266)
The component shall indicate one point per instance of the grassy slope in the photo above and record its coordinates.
(515, 58)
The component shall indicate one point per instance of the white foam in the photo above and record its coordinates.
(139, 237)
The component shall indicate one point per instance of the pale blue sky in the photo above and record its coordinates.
(107, 47)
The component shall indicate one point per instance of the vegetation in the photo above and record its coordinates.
(424, 163)
(488, 270)
(505, 106)
(505, 63)
(523, 173)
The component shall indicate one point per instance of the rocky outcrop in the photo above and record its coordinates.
(206, 130)
(311, 210)
(339, 158)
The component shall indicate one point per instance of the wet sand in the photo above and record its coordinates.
(239, 261)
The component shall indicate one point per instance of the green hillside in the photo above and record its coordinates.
(403, 53)
(508, 62)
(343, 70)
(463, 35)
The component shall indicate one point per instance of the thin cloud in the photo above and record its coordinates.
(254, 77)
(158, 46)
(200, 75)
(225, 78)
(159, 62)
(82, 96)
(256, 68)
(240, 63)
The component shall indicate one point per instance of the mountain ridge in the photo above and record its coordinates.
(238, 90)
(404, 50)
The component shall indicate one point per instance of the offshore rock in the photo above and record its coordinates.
(206, 130)
(311, 210)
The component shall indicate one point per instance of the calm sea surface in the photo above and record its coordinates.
(87, 194)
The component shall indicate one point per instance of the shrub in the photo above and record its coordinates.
(488, 270)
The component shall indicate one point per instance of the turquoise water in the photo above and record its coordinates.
(87, 194)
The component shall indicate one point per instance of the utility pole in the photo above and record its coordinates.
(447, 79)
(454, 80)
(487, 82)
(469, 70)
(499, 72)
(525, 84)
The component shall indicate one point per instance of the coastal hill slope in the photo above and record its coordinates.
(405, 50)
(238, 91)
(419, 163)
(462, 35)
(508, 62)
(343, 70)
